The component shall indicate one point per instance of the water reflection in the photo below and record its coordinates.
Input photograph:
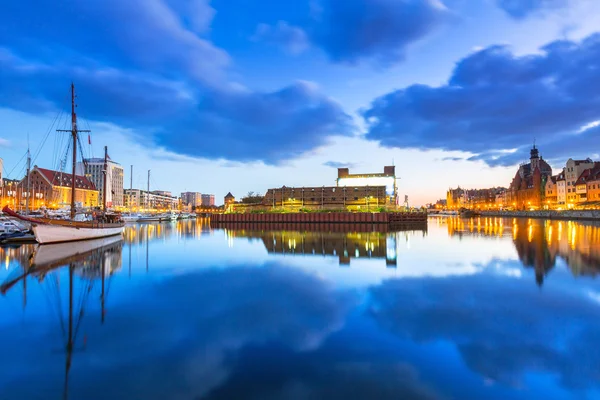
(86, 261)
(352, 241)
(539, 242)
(255, 312)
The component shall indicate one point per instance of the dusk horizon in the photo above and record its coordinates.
(231, 96)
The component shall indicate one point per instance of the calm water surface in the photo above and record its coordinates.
(465, 309)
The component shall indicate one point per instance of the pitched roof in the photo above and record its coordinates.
(229, 195)
(58, 178)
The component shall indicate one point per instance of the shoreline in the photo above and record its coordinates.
(571, 215)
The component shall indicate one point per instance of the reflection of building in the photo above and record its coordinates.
(532, 248)
(344, 245)
(93, 169)
(539, 242)
(208, 200)
(528, 185)
(53, 189)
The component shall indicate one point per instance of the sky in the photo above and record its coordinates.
(220, 96)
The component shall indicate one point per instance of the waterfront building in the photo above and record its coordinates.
(138, 199)
(561, 189)
(331, 197)
(386, 179)
(53, 189)
(593, 187)
(192, 199)
(583, 183)
(528, 185)
(573, 171)
(229, 201)
(162, 193)
(93, 169)
(551, 192)
(475, 198)
(208, 200)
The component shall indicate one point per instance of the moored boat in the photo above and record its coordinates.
(49, 230)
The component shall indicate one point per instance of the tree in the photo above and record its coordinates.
(252, 198)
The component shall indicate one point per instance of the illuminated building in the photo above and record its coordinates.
(208, 200)
(352, 192)
(386, 179)
(193, 199)
(528, 186)
(140, 199)
(573, 171)
(93, 169)
(53, 189)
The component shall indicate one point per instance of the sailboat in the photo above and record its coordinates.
(48, 230)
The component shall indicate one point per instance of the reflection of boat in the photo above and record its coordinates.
(48, 230)
(79, 256)
(64, 252)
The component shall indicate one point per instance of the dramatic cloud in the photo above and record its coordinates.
(291, 38)
(275, 126)
(520, 9)
(338, 164)
(144, 66)
(351, 31)
(501, 340)
(496, 102)
(182, 339)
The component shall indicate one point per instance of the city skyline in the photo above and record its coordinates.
(221, 97)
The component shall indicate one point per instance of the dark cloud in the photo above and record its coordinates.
(291, 38)
(175, 338)
(352, 31)
(245, 126)
(290, 376)
(338, 164)
(453, 159)
(185, 103)
(520, 9)
(502, 340)
(496, 102)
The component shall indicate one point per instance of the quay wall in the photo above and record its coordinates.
(324, 218)
(574, 215)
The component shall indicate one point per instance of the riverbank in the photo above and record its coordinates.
(324, 217)
(573, 215)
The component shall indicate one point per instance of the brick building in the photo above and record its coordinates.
(527, 188)
(53, 189)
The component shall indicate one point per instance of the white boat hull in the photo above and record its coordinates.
(57, 234)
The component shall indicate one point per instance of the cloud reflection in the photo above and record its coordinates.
(502, 328)
(175, 338)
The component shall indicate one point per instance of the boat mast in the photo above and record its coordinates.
(74, 132)
(74, 135)
(130, 187)
(28, 172)
(105, 176)
(148, 192)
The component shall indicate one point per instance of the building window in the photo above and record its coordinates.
(356, 198)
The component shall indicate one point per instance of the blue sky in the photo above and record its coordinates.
(239, 95)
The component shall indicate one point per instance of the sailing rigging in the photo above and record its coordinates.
(79, 226)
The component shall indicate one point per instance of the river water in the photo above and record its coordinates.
(486, 308)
